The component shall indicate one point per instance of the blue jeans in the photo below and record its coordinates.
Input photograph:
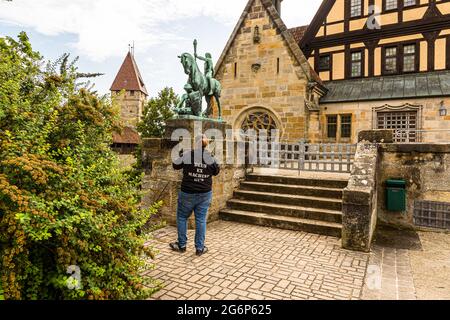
(199, 203)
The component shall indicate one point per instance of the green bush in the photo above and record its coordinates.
(63, 199)
(156, 112)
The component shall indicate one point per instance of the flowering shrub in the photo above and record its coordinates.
(64, 203)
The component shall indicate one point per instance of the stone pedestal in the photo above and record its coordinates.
(162, 182)
(194, 125)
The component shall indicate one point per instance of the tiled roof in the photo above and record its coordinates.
(129, 78)
(128, 136)
(427, 84)
(298, 33)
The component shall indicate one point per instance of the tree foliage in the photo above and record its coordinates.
(156, 112)
(63, 199)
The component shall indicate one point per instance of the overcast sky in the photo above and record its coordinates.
(99, 32)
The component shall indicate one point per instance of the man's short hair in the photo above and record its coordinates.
(201, 140)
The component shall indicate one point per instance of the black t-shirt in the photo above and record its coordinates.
(197, 175)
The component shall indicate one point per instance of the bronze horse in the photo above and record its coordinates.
(199, 84)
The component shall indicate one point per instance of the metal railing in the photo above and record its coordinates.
(422, 136)
(301, 156)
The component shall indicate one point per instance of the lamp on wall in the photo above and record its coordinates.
(442, 110)
(256, 35)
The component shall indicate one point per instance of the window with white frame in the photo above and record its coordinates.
(355, 8)
(390, 60)
(409, 3)
(409, 58)
(391, 4)
(356, 64)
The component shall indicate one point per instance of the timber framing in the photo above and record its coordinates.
(421, 23)
(364, 35)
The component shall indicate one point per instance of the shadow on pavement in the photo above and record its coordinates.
(398, 239)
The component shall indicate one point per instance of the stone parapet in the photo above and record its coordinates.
(376, 136)
(426, 171)
(360, 200)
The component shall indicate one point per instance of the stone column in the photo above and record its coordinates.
(360, 198)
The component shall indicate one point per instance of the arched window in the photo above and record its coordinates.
(259, 120)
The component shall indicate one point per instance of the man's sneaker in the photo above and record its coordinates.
(176, 247)
(201, 252)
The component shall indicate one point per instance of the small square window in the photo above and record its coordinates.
(409, 3)
(391, 4)
(355, 8)
(324, 63)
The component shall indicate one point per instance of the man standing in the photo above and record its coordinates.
(198, 166)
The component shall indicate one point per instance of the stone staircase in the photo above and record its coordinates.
(310, 205)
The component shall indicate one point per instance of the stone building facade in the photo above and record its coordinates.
(395, 76)
(268, 83)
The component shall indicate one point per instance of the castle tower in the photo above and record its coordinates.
(129, 90)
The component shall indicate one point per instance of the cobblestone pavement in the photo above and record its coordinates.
(252, 262)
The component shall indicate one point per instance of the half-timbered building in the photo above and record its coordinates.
(372, 64)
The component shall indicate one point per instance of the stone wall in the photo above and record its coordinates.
(359, 208)
(131, 106)
(126, 161)
(162, 182)
(426, 169)
(263, 76)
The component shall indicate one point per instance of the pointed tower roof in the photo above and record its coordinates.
(129, 78)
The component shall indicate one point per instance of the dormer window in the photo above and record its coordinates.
(355, 8)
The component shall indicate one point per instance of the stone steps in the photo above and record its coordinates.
(309, 205)
(326, 183)
(283, 222)
(301, 190)
(286, 210)
(306, 201)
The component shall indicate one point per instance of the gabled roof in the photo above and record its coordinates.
(298, 33)
(316, 22)
(285, 33)
(127, 136)
(418, 85)
(129, 78)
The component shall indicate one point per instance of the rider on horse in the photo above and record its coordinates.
(209, 70)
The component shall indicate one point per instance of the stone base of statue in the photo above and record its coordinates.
(195, 126)
(162, 182)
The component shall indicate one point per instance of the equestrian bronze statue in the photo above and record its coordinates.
(199, 85)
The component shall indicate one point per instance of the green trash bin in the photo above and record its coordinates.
(396, 195)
